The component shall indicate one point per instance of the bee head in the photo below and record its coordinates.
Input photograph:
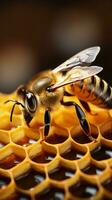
(30, 103)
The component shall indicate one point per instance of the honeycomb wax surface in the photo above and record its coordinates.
(65, 166)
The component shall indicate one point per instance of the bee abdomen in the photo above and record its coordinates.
(94, 90)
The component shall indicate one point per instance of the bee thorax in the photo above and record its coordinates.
(50, 99)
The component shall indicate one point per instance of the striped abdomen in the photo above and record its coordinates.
(94, 90)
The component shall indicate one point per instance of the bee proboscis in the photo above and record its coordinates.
(48, 89)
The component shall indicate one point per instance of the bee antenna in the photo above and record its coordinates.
(12, 111)
(9, 101)
(15, 103)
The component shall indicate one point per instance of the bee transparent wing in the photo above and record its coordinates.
(83, 58)
(77, 74)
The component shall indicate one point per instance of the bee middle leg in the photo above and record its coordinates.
(82, 118)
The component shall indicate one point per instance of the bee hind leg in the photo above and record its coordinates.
(47, 120)
(87, 107)
(82, 118)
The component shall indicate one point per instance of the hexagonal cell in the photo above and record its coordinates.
(56, 139)
(4, 181)
(102, 152)
(44, 157)
(72, 153)
(26, 141)
(82, 138)
(83, 189)
(107, 184)
(42, 153)
(10, 161)
(29, 179)
(24, 136)
(51, 193)
(19, 196)
(61, 173)
(10, 157)
(57, 135)
(92, 169)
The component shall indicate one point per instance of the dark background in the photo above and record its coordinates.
(37, 35)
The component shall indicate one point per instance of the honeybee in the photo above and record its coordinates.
(48, 89)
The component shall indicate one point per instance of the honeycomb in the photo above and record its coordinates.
(65, 166)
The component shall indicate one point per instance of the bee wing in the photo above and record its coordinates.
(85, 58)
(77, 74)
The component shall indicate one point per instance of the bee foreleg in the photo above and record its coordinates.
(47, 120)
(82, 118)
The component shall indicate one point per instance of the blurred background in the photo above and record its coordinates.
(37, 35)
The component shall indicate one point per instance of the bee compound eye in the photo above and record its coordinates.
(31, 102)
